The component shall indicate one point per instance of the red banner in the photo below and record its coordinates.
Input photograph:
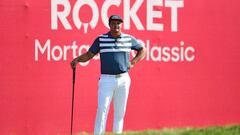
(189, 76)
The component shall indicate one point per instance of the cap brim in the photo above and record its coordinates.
(117, 20)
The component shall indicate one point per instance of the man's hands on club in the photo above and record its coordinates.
(74, 63)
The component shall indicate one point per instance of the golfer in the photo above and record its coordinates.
(114, 48)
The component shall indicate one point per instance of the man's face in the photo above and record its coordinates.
(115, 26)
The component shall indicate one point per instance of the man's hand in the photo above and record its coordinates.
(130, 65)
(74, 63)
(139, 56)
(82, 58)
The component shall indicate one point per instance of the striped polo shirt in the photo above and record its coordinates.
(115, 52)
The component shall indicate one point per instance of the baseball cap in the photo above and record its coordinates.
(115, 18)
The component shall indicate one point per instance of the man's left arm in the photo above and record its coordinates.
(139, 56)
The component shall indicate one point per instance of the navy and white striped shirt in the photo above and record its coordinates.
(115, 52)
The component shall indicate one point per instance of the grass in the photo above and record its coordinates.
(217, 130)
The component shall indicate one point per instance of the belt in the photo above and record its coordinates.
(115, 76)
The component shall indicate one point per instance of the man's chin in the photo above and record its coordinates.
(116, 31)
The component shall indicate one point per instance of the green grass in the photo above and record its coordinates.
(217, 130)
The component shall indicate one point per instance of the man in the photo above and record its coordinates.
(114, 48)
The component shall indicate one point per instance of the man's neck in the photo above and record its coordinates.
(115, 34)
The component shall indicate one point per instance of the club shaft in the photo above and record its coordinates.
(73, 83)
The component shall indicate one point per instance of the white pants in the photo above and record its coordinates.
(116, 87)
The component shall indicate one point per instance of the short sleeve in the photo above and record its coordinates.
(136, 45)
(95, 47)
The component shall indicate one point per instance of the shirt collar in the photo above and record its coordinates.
(109, 35)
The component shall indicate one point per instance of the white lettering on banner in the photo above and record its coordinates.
(105, 7)
(132, 13)
(42, 50)
(154, 9)
(170, 54)
(129, 13)
(63, 51)
(156, 53)
(174, 5)
(61, 15)
(154, 14)
(93, 6)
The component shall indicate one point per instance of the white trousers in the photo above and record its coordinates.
(116, 88)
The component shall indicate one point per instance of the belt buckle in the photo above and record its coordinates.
(118, 75)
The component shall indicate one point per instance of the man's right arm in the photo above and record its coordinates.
(82, 58)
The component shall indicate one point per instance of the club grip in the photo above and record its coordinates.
(74, 71)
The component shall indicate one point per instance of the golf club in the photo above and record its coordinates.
(73, 83)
